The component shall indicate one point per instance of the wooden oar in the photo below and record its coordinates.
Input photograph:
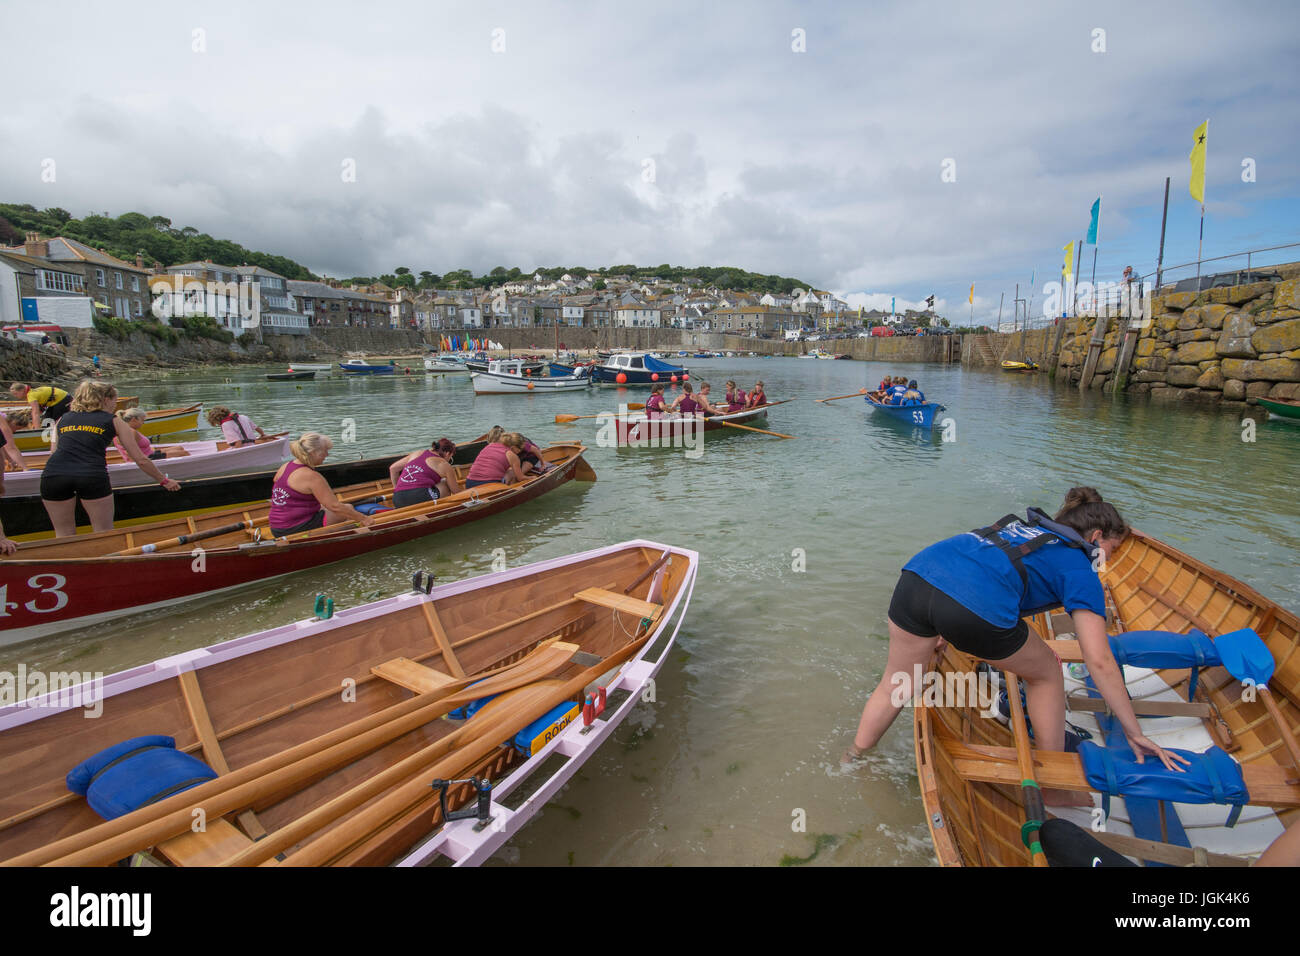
(565, 419)
(118, 838)
(184, 539)
(750, 428)
(838, 397)
(1035, 813)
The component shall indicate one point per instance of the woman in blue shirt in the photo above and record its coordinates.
(973, 590)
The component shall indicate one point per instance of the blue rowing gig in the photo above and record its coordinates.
(917, 414)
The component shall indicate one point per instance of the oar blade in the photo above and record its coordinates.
(1245, 656)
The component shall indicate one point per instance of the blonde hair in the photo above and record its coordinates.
(308, 446)
(513, 440)
(495, 433)
(216, 413)
(132, 414)
(91, 396)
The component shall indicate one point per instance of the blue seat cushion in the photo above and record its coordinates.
(135, 773)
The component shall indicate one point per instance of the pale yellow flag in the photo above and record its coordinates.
(1068, 269)
(972, 293)
(1197, 183)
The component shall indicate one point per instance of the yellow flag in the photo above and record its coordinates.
(1068, 269)
(972, 294)
(1197, 156)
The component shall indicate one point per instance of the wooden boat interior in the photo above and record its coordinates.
(100, 544)
(236, 704)
(966, 760)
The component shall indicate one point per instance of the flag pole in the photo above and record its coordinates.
(1001, 299)
(1199, 243)
(1160, 260)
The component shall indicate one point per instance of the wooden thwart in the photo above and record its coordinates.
(619, 602)
(405, 672)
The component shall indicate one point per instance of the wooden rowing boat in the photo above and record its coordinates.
(1281, 407)
(920, 415)
(343, 778)
(164, 421)
(62, 583)
(194, 459)
(293, 375)
(966, 762)
(637, 430)
(24, 517)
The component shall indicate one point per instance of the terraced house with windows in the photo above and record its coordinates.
(65, 267)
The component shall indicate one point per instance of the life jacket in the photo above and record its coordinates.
(1040, 530)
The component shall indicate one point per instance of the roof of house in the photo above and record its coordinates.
(83, 253)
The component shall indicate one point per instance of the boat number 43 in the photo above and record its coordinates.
(49, 597)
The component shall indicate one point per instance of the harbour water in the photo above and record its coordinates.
(737, 760)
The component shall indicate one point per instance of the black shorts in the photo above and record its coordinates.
(311, 524)
(67, 487)
(414, 496)
(920, 608)
(58, 409)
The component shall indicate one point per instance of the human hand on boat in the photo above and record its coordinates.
(171, 484)
(1144, 747)
(7, 546)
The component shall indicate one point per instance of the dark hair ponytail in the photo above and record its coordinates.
(1085, 512)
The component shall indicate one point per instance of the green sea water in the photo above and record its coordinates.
(801, 542)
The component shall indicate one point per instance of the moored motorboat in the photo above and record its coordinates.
(439, 363)
(25, 517)
(286, 764)
(637, 368)
(919, 414)
(320, 368)
(193, 459)
(1281, 408)
(1241, 791)
(362, 367)
(86, 570)
(509, 377)
(162, 421)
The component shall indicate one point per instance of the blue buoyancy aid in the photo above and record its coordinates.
(1030, 534)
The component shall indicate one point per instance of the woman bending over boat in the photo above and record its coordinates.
(77, 469)
(45, 402)
(238, 429)
(973, 590)
(300, 495)
(425, 475)
(498, 462)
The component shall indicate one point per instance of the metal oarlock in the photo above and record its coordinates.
(592, 707)
(481, 807)
(422, 582)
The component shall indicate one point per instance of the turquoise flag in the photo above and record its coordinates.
(1092, 228)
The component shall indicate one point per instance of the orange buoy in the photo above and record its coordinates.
(654, 376)
(530, 386)
(621, 378)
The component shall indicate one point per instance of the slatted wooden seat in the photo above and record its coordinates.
(405, 672)
(619, 602)
(218, 842)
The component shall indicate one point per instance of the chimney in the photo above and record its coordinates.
(139, 260)
(34, 247)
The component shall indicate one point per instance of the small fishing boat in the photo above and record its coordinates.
(508, 377)
(288, 770)
(1235, 719)
(445, 364)
(293, 375)
(1281, 408)
(74, 582)
(362, 367)
(191, 459)
(25, 518)
(637, 368)
(482, 365)
(635, 429)
(163, 421)
(919, 414)
(557, 370)
(1010, 366)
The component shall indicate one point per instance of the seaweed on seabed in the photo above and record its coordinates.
(821, 841)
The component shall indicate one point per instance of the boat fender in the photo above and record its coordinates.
(542, 730)
(135, 773)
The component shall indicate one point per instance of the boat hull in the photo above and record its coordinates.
(305, 375)
(635, 431)
(918, 416)
(63, 593)
(492, 383)
(1288, 410)
(363, 369)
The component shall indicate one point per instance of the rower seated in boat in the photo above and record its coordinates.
(498, 462)
(686, 402)
(913, 395)
(237, 428)
(654, 405)
(974, 591)
(424, 475)
(301, 497)
(532, 459)
(702, 399)
(734, 398)
(135, 418)
(757, 396)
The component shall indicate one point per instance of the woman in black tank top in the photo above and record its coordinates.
(78, 471)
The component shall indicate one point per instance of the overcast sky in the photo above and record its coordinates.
(804, 139)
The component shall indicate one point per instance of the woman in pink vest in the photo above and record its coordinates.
(136, 417)
(498, 462)
(654, 405)
(424, 476)
(686, 403)
(734, 398)
(300, 495)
